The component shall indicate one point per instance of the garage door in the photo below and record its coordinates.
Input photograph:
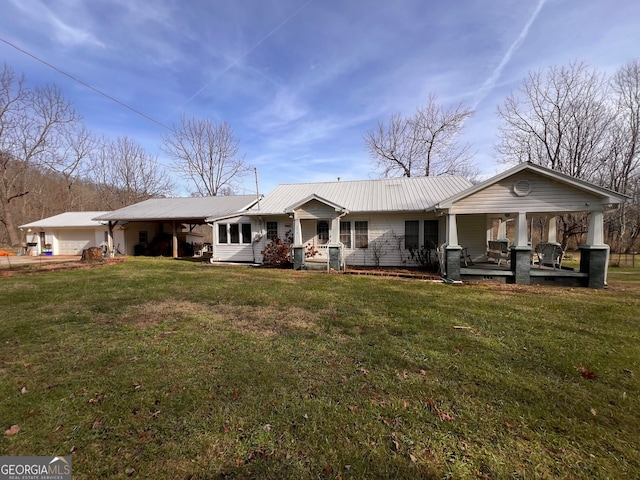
(73, 242)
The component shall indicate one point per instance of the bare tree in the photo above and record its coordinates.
(425, 144)
(38, 128)
(558, 119)
(206, 154)
(622, 169)
(126, 174)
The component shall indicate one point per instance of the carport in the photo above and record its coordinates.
(172, 212)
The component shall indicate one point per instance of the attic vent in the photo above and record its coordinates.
(522, 188)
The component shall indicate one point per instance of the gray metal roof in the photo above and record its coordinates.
(181, 209)
(67, 220)
(384, 195)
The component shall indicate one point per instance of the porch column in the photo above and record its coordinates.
(297, 231)
(595, 235)
(110, 238)
(552, 236)
(298, 247)
(175, 240)
(452, 230)
(502, 230)
(334, 235)
(594, 256)
(521, 252)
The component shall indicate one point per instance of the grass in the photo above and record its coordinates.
(154, 368)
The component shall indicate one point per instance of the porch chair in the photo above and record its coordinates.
(550, 254)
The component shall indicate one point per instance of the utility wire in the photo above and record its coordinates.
(90, 87)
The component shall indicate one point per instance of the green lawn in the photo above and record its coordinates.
(156, 368)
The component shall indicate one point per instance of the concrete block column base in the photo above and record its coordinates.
(521, 264)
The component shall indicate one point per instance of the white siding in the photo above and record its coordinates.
(546, 196)
(315, 209)
(386, 240)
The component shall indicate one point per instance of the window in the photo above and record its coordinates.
(234, 232)
(345, 234)
(246, 233)
(222, 233)
(322, 230)
(411, 234)
(431, 234)
(272, 230)
(362, 234)
(143, 236)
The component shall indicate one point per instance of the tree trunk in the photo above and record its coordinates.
(7, 220)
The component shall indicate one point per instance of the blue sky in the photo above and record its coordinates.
(301, 81)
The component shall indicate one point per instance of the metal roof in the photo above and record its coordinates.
(361, 196)
(181, 209)
(67, 220)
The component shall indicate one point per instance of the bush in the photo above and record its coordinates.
(278, 252)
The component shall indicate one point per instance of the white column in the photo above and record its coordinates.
(521, 230)
(502, 229)
(297, 231)
(595, 236)
(334, 235)
(452, 230)
(552, 235)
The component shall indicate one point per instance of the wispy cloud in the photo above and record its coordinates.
(491, 81)
(68, 35)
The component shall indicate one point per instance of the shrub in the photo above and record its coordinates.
(278, 251)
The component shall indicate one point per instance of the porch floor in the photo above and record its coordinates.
(491, 271)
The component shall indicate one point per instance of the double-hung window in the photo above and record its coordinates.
(412, 234)
(272, 230)
(345, 234)
(361, 234)
(431, 234)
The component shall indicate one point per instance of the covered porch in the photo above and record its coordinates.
(520, 194)
(316, 233)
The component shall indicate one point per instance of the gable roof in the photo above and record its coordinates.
(185, 209)
(315, 197)
(67, 220)
(607, 196)
(361, 196)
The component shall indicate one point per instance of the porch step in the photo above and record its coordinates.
(311, 265)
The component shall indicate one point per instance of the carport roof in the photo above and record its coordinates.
(187, 209)
(67, 220)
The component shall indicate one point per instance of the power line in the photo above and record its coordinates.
(90, 87)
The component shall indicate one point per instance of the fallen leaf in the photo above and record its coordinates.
(136, 385)
(97, 423)
(364, 371)
(326, 470)
(59, 427)
(12, 430)
(73, 449)
(445, 416)
(353, 408)
(235, 395)
(507, 424)
(405, 375)
(593, 411)
(266, 427)
(423, 372)
(413, 458)
(23, 390)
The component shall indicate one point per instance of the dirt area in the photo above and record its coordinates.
(18, 265)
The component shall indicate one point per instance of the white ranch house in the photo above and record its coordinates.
(375, 223)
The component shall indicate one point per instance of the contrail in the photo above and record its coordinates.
(239, 59)
(490, 82)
